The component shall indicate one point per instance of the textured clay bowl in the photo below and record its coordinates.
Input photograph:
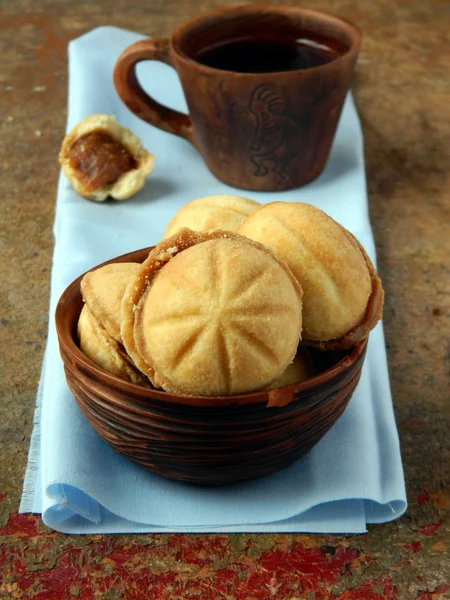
(199, 439)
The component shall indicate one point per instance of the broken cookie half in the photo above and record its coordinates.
(104, 160)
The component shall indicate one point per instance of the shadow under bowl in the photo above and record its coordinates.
(201, 439)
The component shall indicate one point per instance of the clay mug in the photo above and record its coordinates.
(262, 131)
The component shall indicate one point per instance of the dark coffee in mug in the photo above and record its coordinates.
(266, 53)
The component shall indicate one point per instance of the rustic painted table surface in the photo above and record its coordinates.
(402, 90)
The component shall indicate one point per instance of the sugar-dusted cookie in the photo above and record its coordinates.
(343, 296)
(212, 313)
(96, 344)
(102, 290)
(212, 212)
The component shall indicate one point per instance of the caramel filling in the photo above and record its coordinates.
(99, 160)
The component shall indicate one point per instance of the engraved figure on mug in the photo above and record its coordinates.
(272, 147)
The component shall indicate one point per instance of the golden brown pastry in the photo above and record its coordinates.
(212, 212)
(96, 344)
(102, 159)
(301, 369)
(343, 296)
(103, 289)
(212, 314)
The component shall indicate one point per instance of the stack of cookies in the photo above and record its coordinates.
(230, 300)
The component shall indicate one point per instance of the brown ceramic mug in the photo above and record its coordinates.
(263, 131)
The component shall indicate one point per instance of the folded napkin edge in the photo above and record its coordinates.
(89, 508)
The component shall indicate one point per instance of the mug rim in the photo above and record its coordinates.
(353, 31)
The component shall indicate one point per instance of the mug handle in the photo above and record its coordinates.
(137, 100)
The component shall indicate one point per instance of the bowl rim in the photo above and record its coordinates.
(276, 397)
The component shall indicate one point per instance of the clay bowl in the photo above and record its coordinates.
(205, 440)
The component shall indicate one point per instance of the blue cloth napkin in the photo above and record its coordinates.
(351, 478)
